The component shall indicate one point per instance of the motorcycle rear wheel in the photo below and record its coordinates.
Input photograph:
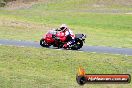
(77, 45)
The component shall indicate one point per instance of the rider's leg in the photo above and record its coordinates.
(69, 43)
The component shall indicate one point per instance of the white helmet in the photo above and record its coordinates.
(63, 27)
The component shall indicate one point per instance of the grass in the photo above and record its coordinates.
(85, 5)
(102, 29)
(47, 68)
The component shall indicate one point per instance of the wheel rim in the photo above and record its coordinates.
(77, 45)
(43, 43)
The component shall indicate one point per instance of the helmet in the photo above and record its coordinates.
(63, 27)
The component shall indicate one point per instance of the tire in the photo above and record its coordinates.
(77, 46)
(80, 45)
(43, 43)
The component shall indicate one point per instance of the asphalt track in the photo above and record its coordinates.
(98, 49)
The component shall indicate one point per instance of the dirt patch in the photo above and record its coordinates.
(129, 13)
(23, 4)
(12, 23)
(114, 2)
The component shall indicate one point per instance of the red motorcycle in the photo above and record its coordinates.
(58, 39)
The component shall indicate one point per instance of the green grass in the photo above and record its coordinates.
(48, 68)
(84, 5)
(102, 29)
(113, 30)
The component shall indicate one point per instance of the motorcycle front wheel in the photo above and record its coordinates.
(43, 43)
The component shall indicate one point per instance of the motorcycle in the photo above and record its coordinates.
(58, 39)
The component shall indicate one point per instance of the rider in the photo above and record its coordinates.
(69, 34)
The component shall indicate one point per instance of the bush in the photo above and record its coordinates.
(3, 2)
